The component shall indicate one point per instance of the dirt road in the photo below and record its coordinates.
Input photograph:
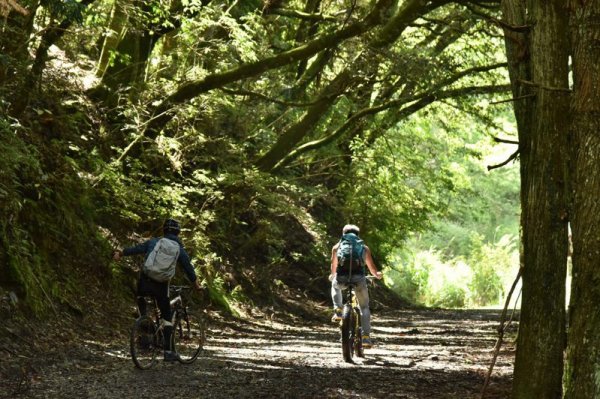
(418, 354)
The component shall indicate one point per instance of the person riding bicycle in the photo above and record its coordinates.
(148, 286)
(345, 269)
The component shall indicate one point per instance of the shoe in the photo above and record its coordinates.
(337, 315)
(171, 356)
(366, 342)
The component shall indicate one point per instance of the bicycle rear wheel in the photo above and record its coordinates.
(144, 342)
(347, 333)
(188, 336)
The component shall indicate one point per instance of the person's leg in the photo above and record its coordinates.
(362, 296)
(142, 291)
(336, 293)
(161, 294)
(336, 297)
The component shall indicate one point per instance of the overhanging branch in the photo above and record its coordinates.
(512, 157)
(286, 12)
(193, 89)
(505, 141)
(419, 102)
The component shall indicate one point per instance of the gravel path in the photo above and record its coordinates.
(418, 354)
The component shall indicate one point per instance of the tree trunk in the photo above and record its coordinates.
(306, 30)
(543, 152)
(132, 52)
(15, 31)
(114, 35)
(582, 377)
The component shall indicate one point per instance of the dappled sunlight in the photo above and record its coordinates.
(428, 351)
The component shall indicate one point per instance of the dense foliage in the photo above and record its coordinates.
(262, 126)
(468, 255)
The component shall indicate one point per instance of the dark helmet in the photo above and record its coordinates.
(350, 228)
(171, 226)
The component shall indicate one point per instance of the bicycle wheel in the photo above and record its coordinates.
(144, 343)
(347, 333)
(188, 336)
(358, 347)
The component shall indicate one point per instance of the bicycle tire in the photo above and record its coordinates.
(188, 336)
(144, 342)
(359, 351)
(347, 329)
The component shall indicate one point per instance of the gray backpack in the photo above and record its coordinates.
(160, 264)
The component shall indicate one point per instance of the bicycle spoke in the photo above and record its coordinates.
(188, 336)
(143, 343)
(347, 333)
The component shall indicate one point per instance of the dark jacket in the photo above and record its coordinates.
(146, 247)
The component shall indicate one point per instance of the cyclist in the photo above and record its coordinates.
(160, 290)
(340, 274)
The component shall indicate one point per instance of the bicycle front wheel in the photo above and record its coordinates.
(144, 342)
(347, 333)
(188, 336)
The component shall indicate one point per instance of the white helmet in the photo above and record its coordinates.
(350, 228)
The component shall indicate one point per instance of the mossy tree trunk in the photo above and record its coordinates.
(114, 35)
(133, 51)
(582, 377)
(15, 30)
(543, 153)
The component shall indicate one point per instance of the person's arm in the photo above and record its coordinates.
(186, 264)
(334, 261)
(371, 264)
(135, 250)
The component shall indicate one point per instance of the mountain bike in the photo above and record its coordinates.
(146, 339)
(351, 324)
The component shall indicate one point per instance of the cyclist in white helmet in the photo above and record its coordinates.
(348, 260)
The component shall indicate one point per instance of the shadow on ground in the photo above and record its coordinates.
(418, 354)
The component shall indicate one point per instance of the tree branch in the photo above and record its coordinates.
(295, 133)
(506, 141)
(51, 35)
(394, 27)
(195, 88)
(499, 22)
(7, 5)
(512, 157)
(286, 12)
(512, 99)
(501, 330)
(241, 92)
(409, 12)
(421, 101)
(549, 88)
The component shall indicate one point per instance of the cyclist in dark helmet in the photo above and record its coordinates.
(348, 259)
(148, 286)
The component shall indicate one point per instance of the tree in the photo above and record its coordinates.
(582, 375)
(538, 59)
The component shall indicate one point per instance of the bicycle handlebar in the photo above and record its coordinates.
(180, 287)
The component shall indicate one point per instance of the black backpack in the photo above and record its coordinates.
(350, 255)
